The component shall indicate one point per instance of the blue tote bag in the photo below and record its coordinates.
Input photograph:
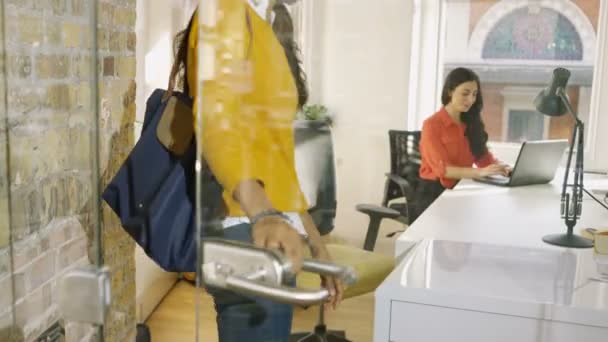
(153, 192)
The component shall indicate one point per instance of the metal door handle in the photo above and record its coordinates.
(256, 271)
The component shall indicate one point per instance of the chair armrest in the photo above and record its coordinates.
(376, 214)
(378, 211)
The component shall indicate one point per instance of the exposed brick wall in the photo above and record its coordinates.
(117, 61)
(50, 123)
(6, 288)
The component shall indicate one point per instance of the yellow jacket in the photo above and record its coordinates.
(249, 105)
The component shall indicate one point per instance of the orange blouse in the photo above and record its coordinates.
(443, 143)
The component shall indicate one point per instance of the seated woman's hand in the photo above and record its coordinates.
(506, 170)
(492, 169)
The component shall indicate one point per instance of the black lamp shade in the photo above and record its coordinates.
(548, 100)
(550, 105)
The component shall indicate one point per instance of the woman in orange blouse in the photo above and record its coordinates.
(454, 139)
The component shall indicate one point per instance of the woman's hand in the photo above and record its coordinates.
(334, 285)
(275, 232)
(492, 169)
(506, 169)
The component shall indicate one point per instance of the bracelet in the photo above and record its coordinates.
(269, 212)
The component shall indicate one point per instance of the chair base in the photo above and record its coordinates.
(319, 335)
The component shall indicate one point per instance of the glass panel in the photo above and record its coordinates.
(249, 97)
(513, 46)
(249, 88)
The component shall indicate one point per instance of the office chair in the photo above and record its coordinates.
(403, 179)
(314, 147)
(401, 182)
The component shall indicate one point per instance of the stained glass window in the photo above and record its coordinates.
(528, 33)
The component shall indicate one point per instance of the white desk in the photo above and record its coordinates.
(503, 282)
(518, 216)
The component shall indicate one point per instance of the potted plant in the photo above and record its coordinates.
(314, 116)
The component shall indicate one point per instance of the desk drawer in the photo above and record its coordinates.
(420, 322)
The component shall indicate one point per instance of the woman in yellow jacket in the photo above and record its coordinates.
(250, 94)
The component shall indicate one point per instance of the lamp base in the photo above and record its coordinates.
(568, 240)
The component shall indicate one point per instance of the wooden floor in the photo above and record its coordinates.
(174, 319)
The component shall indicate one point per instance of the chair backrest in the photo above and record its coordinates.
(405, 152)
(405, 155)
(316, 171)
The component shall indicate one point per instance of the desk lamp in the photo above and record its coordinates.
(553, 101)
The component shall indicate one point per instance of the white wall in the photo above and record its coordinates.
(597, 157)
(360, 70)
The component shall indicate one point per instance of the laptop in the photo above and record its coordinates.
(536, 164)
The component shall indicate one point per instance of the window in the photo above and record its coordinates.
(533, 32)
(514, 47)
(525, 125)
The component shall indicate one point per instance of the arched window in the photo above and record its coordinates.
(533, 34)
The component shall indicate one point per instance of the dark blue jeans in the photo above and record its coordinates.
(244, 318)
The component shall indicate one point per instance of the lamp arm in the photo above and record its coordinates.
(571, 207)
(565, 200)
(579, 168)
(561, 92)
(575, 205)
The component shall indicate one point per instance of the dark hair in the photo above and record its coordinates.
(179, 71)
(475, 130)
(283, 30)
(282, 25)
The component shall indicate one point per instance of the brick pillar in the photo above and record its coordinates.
(50, 119)
(116, 39)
